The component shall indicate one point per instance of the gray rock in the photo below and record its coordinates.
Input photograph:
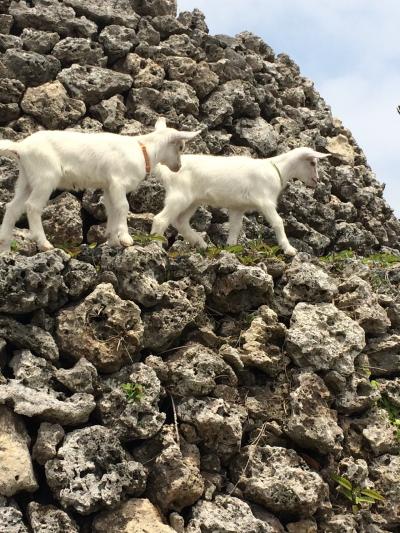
(82, 377)
(323, 338)
(31, 68)
(174, 480)
(49, 519)
(6, 22)
(192, 371)
(9, 41)
(79, 278)
(11, 90)
(62, 220)
(8, 112)
(131, 418)
(92, 471)
(31, 370)
(179, 306)
(258, 134)
(379, 432)
(228, 515)
(111, 113)
(39, 41)
(30, 337)
(154, 8)
(384, 354)
(279, 480)
(340, 523)
(79, 50)
(148, 197)
(117, 41)
(48, 438)
(218, 424)
(311, 424)
(17, 472)
(104, 329)
(106, 12)
(11, 520)
(178, 96)
(93, 84)
(385, 471)
(92, 202)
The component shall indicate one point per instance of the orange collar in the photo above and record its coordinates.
(146, 158)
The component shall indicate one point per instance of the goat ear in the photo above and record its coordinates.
(186, 135)
(319, 155)
(161, 124)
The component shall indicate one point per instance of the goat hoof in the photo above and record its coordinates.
(126, 240)
(45, 246)
(290, 251)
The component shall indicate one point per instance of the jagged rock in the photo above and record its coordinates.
(92, 471)
(79, 278)
(355, 470)
(179, 306)
(218, 424)
(51, 106)
(137, 514)
(6, 22)
(79, 50)
(93, 84)
(38, 41)
(240, 288)
(341, 523)
(104, 329)
(82, 377)
(384, 354)
(62, 220)
(178, 96)
(192, 371)
(11, 520)
(145, 73)
(11, 90)
(258, 134)
(311, 424)
(17, 472)
(155, 8)
(136, 417)
(226, 514)
(340, 147)
(279, 480)
(357, 300)
(30, 68)
(174, 480)
(31, 283)
(105, 12)
(51, 15)
(30, 337)
(47, 518)
(48, 438)
(117, 40)
(8, 112)
(302, 526)
(324, 338)
(385, 471)
(379, 432)
(92, 202)
(110, 112)
(352, 236)
(9, 41)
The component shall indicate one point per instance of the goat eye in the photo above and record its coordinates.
(313, 163)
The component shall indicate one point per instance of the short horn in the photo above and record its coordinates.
(187, 135)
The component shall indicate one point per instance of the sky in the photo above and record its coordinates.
(350, 49)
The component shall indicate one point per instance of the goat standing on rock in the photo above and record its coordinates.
(49, 160)
(240, 184)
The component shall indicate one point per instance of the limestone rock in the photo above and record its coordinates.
(340, 147)
(155, 8)
(117, 40)
(227, 514)
(11, 90)
(93, 84)
(104, 329)
(384, 354)
(79, 50)
(79, 278)
(106, 12)
(135, 515)
(82, 377)
(31, 68)
(324, 338)
(385, 471)
(17, 472)
(47, 518)
(31, 283)
(279, 480)
(39, 41)
(92, 471)
(51, 106)
(11, 520)
(258, 134)
(379, 432)
(110, 112)
(62, 220)
(48, 438)
(136, 417)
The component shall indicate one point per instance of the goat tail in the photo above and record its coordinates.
(9, 148)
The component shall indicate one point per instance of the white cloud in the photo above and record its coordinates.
(349, 48)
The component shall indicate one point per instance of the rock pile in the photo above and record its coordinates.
(158, 389)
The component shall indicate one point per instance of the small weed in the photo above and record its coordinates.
(356, 495)
(134, 392)
(337, 257)
(146, 238)
(250, 253)
(381, 259)
(14, 246)
(73, 250)
(393, 412)
(374, 384)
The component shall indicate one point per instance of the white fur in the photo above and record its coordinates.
(50, 160)
(240, 184)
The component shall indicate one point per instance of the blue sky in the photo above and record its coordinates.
(349, 48)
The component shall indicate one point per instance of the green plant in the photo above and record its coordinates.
(145, 238)
(337, 257)
(134, 392)
(14, 246)
(393, 412)
(356, 495)
(381, 259)
(251, 253)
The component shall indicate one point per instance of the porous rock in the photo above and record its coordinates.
(48, 438)
(11, 520)
(385, 471)
(17, 471)
(31, 68)
(62, 220)
(47, 518)
(92, 471)
(104, 329)
(82, 377)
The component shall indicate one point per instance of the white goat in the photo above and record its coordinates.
(240, 184)
(49, 160)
